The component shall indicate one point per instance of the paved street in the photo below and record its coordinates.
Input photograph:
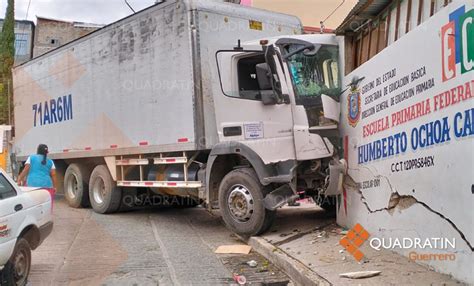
(148, 247)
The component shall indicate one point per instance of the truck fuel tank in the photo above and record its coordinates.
(174, 173)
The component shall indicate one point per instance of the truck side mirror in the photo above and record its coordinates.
(273, 75)
(264, 78)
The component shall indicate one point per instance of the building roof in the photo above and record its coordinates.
(363, 11)
(21, 21)
(75, 24)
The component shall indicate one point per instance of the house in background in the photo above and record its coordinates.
(24, 36)
(52, 33)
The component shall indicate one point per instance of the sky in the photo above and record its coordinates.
(90, 11)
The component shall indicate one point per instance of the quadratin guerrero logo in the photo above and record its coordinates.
(457, 45)
(438, 244)
(445, 248)
(353, 240)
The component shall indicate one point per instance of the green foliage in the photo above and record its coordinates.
(7, 58)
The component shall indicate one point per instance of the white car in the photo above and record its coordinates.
(25, 221)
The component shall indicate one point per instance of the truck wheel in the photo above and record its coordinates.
(104, 195)
(241, 203)
(76, 185)
(17, 269)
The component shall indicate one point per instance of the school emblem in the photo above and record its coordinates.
(354, 102)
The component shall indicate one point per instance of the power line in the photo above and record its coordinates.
(332, 13)
(28, 10)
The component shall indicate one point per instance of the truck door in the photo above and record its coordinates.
(249, 110)
(312, 71)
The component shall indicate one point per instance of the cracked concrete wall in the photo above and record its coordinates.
(408, 129)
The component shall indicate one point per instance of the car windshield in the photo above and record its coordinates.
(315, 74)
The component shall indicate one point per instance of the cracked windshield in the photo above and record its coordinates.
(313, 74)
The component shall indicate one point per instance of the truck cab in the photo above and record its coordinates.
(280, 110)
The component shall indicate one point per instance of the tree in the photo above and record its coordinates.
(7, 58)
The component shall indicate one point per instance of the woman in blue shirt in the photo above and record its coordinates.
(39, 170)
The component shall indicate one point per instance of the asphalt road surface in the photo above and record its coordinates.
(159, 246)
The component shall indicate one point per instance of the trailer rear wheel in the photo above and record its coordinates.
(241, 203)
(76, 185)
(104, 195)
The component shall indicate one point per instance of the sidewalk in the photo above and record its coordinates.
(305, 243)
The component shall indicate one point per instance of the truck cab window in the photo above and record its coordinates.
(6, 190)
(249, 87)
(313, 76)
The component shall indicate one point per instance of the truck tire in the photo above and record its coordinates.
(241, 203)
(76, 185)
(104, 195)
(17, 269)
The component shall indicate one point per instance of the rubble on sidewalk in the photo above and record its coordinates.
(317, 247)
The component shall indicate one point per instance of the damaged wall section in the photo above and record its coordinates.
(408, 128)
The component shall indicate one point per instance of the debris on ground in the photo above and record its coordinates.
(252, 263)
(322, 234)
(240, 279)
(233, 249)
(360, 274)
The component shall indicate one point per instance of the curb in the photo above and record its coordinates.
(297, 271)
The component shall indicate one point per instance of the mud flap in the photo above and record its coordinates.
(337, 170)
(279, 197)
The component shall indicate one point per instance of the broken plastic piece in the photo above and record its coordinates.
(360, 274)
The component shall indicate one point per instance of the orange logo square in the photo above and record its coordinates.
(353, 240)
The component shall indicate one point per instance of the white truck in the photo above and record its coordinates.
(196, 99)
(25, 221)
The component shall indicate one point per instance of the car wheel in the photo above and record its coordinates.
(17, 269)
(241, 203)
(76, 189)
(104, 195)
